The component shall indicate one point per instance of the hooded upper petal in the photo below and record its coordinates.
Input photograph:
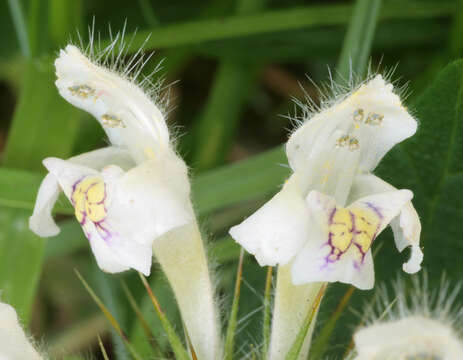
(129, 117)
(370, 120)
(338, 248)
(406, 226)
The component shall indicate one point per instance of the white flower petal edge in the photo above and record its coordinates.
(370, 120)
(338, 248)
(14, 344)
(406, 226)
(152, 195)
(413, 337)
(41, 222)
(279, 229)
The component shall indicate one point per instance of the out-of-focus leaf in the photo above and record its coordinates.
(278, 20)
(43, 125)
(357, 43)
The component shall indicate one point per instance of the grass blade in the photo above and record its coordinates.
(103, 350)
(109, 317)
(19, 22)
(233, 319)
(174, 340)
(149, 334)
(359, 38)
(267, 311)
(195, 32)
(293, 353)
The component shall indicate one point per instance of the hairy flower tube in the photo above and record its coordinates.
(133, 195)
(320, 227)
(14, 344)
(425, 326)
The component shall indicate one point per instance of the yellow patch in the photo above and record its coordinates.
(366, 224)
(352, 226)
(88, 198)
(341, 229)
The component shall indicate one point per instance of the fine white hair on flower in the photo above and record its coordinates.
(414, 322)
(128, 194)
(329, 212)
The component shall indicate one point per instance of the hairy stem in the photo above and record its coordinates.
(182, 257)
(289, 313)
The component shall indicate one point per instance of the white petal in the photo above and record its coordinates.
(406, 226)
(375, 97)
(276, 232)
(67, 173)
(41, 222)
(118, 254)
(150, 200)
(14, 344)
(310, 266)
(338, 247)
(98, 159)
(127, 114)
(386, 205)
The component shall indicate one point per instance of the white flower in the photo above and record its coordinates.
(414, 337)
(14, 344)
(128, 194)
(333, 154)
(425, 325)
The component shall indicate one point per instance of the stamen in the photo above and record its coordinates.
(83, 91)
(353, 144)
(112, 121)
(343, 141)
(374, 119)
(358, 115)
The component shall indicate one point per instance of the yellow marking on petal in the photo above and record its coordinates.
(366, 225)
(340, 229)
(88, 197)
(95, 212)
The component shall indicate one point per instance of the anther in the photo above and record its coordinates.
(83, 91)
(343, 141)
(374, 119)
(112, 121)
(358, 115)
(353, 144)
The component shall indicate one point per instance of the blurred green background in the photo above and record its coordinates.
(239, 64)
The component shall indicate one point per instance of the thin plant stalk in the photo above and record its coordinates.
(267, 308)
(233, 320)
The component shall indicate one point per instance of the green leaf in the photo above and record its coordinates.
(215, 130)
(359, 38)
(196, 32)
(37, 131)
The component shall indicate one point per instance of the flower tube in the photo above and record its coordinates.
(321, 225)
(133, 195)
